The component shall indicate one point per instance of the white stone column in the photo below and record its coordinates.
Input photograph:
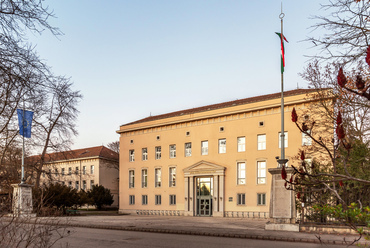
(222, 194)
(216, 196)
(186, 186)
(191, 195)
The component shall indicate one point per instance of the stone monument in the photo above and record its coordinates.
(22, 200)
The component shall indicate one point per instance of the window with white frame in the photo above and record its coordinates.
(131, 200)
(70, 171)
(285, 139)
(240, 199)
(77, 170)
(261, 172)
(241, 144)
(158, 177)
(77, 185)
(144, 152)
(261, 142)
(92, 167)
(188, 149)
(172, 199)
(70, 184)
(84, 185)
(172, 151)
(84, 170)
(144, 199)
(204, 146)
(131, 180)
(63, 171)
(261, 199)
(241, 173)
(158, 199)
(306, 139)
(131, 155)
(172, 174)
(158, 153)
(91, 183)
(222, 146)
(144, 178)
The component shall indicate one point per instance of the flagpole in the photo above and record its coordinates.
(22, 175)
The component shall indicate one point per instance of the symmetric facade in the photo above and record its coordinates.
(207, 161)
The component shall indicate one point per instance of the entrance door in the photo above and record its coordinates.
(204, 196)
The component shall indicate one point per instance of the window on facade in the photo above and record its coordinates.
(172, 182)
(131, 180)
(91, 183)
(131, 155)
(63, 183)
(63, 171)
(241, 144)
(76, 171)
(285, 139)
(144, 178)
(144, 199)
(131, 200)
(261, 199)
(240, 199)
(144, 152)
(56, 172)
(70, 184)
(84, 185)
(84, 170)
(172, 199)
(92, 169)
(172, 151)
(222, 146)
(158, 199)
(261, 172)
(188, 149)
(70, 171)
(204, 147)
(158, 153)
(43, 174)
(158, 177)
(306, 139)
(77, 185)
(261, 142)
(241, 173)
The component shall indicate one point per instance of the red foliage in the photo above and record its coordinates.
(341, 183)
(360, 83)
(342, 80)
(339, 118)
(294, 115)
(340, 132)
(302, 155)
(283, 173)
(368, 56)
(299, 195)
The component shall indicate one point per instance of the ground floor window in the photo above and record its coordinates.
(240, 199)
(172, 199)
(261, 199)
(144, 200)
(132, 200)
(158, 199)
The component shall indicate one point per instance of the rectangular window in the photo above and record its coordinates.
(76, 171)
(70, 184)
(77, 185)
(158, 177)
(63, 183)
(131, 175)
(84, 185)
(92, 169)
(285, 139)
(172, 199)
(144, 152)
(205, 147)
(131, 200)
(158, 153)
(84, 170)
(241, 144)
(91, 183)
(144, 178)
(56, 172)
(158, 199)
(172, 182)
(261, 199)
(131, 155)
(188, 149)
(144, 199)
(261, 140)
(261, 172)
(306, 139)
(172, 151)
(222, 146)
(240, 199)
(70, 171)
(241, 173)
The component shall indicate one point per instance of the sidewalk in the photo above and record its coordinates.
(206, 226)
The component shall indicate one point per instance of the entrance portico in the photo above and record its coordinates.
(204, 189)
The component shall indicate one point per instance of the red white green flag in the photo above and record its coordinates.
(282, 38)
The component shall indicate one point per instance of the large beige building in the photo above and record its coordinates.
(207, 161)
(83, 168)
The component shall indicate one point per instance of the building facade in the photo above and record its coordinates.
(207, 161)
(83, 168)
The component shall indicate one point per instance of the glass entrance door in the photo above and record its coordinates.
(204, 196)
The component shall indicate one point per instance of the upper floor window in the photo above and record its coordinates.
(69, 170)
(306, 139)
(222, 146)
(241, 144)
(131, 179)
(91, 183)
(92, 169)
(204, 147)
(77, 185)
(261, 142)
(144, 152)
(172, 178)
(144, 178)
(76, 171)
(241, 173)
(158, 177)
(285, 139)
(56, 172)
(158, 153)
(188, 149)
(172, 151)
(261, 172)
(132, 155)
(63, 171)
(84, 170)
(84, 185)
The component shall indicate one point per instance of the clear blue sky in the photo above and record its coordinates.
(131, 58)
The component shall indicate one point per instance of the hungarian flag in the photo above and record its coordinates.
(25, 122)
(282, 38)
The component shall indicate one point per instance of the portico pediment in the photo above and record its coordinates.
(204, 168)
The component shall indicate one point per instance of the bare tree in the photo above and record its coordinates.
(114, 146)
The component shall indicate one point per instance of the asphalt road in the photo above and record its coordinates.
(100, 238)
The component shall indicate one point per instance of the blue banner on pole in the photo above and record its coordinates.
(25, 122)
